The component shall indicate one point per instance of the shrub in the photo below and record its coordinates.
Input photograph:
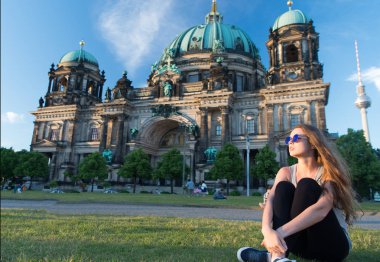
(235, 193)
(124, 191)
(53, 184)
(145, 192)
(256, 194)
(71, 191)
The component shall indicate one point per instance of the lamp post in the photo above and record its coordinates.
(247, 118)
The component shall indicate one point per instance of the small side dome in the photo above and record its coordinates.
(289, 18)
(79, 56)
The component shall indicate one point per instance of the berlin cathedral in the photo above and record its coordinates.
(208, 88)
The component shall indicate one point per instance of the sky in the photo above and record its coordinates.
(132, 34)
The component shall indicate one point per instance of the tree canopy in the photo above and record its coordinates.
(265, 166)
(23, 164)
(93, 166)
(32, 164)
(136, 165)
(170, 167)
(228, 165)
(362, 161)
(9, 160)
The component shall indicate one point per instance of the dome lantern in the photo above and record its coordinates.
(290, 17)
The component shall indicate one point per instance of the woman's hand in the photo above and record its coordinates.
(274, 242)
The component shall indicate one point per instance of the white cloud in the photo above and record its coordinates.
(369, 76)
(12, 118)
(135, 29)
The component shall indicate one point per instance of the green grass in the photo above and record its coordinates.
(41, 236)
(164, 199)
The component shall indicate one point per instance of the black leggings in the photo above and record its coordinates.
(323, 241)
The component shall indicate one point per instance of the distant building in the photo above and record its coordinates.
(208, 88)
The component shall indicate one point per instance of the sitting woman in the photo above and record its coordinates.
(203, 187)
(309, 206)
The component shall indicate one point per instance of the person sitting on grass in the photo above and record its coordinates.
(204, 187)
(309, 206)
(219, 194)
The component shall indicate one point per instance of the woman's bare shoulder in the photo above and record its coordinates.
(283, 173)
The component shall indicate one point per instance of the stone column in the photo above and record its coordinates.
(109, 133)
(119, 138)
(41, 130)
(103, 139)
(280, 118)
(35, 132)
(46, 130)
(308, 113)
(125, 137)
(270, 124)
(203, 133)
(321, 117)
(225, 125)
(209, 126)
(49, 86)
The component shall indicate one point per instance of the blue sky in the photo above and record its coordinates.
(131, 35)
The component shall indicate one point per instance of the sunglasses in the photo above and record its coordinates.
(294, 139)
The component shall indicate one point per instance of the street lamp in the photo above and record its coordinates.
(247, 118)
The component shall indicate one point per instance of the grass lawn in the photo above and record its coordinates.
(41, 236)
(163, 199)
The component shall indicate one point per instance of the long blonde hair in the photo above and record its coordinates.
(335, 171)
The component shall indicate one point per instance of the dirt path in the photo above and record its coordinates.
(368, 221)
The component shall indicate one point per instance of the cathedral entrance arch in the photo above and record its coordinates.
(158, 135)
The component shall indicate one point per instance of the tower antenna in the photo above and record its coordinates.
(362, 101)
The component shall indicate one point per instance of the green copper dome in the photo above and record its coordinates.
(213, 36)
(289, 18)
(79, 56)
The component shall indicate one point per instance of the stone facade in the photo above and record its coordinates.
(194, 99)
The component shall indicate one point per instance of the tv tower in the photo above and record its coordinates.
(362, 101)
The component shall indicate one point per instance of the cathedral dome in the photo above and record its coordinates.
(290, 17)
(213, 34)
(79, 56)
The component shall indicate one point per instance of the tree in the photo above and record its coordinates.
(228, 165)
(8, 163)
(32, 164)
(136, 165)
(93, 167)
(170, 167)
(266, 166)
(362, 161)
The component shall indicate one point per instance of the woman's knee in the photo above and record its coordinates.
(309, 187)
(307, 193)
(284, 189)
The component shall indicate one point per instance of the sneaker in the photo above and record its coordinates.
(284, 259)
(248, 254)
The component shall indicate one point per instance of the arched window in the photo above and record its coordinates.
(251, 126)
(295, 119)
(94, 134)
(54, 135)
(218, 130)
(291, 53)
